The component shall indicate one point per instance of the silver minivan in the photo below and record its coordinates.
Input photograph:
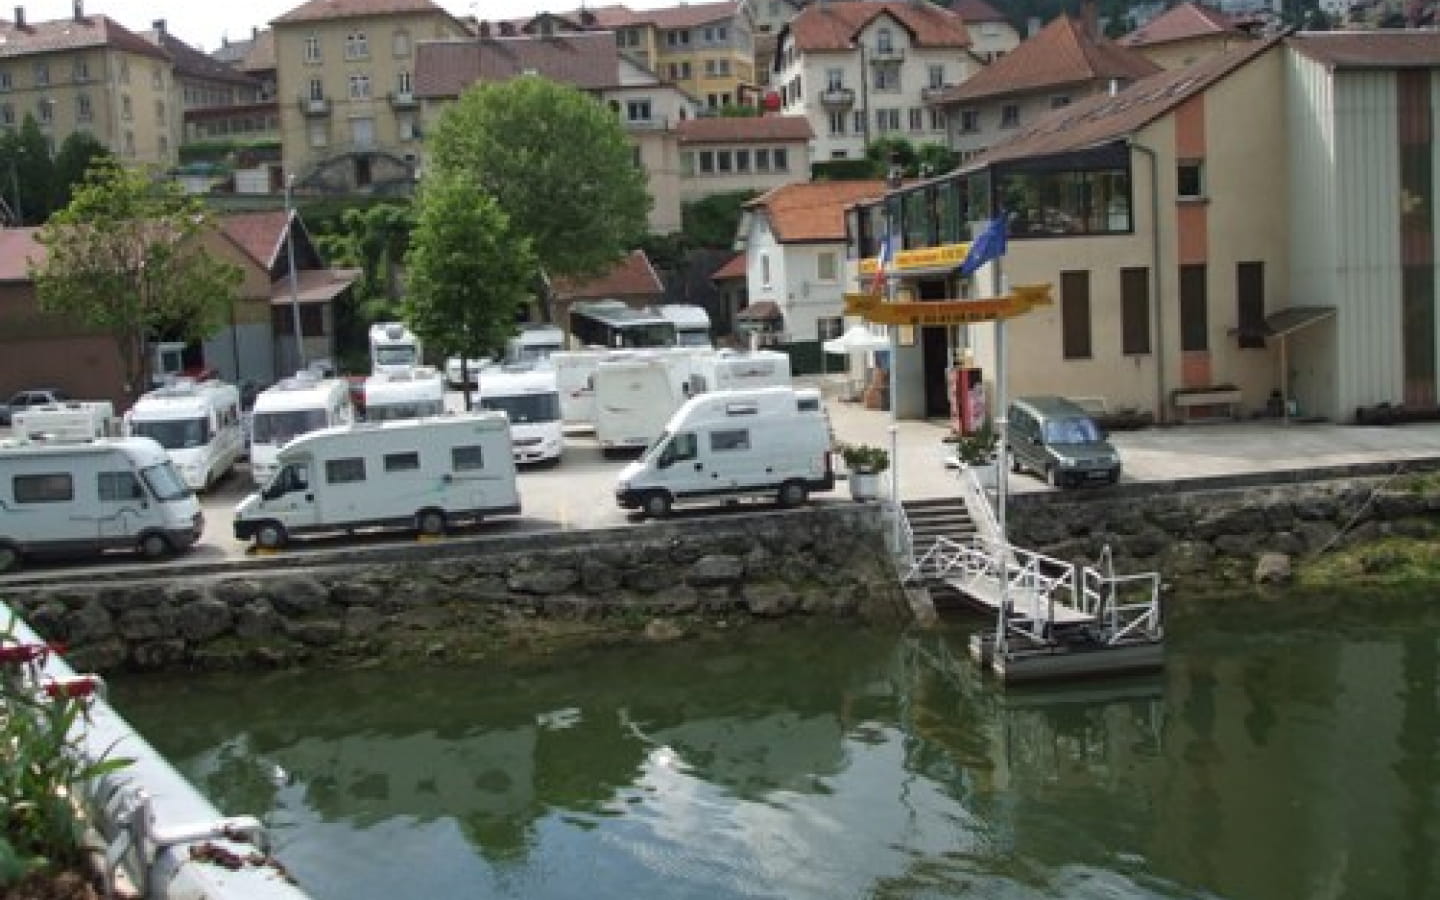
(1059, 442)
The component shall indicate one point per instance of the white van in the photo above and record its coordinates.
(93, 495)
(411, 394)
(634, 397)
(294, 406)
(198, 424)
(692, 324)
(738, 370)
(725, 444)
(72, 420)
(534, 343)
(529, 398)
(417, 473)
(393, 347)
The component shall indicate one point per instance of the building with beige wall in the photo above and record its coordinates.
(345, 69)
(88, 73)
(722, 154)
(1184, 34)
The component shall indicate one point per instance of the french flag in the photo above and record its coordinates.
(882, 262)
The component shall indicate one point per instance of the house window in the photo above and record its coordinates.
(357, 45)
(884, 41)
(762, 160)
(407, 128)
(400, 43)
(638, 110)
(1194, 325)
(1135, 311)
(129, 143)
(711, 67)
(834, 79)
(780, 158)
(403, 82)
(157, 78)
(362, 132)
(742, 160)
(674, 71)
(7, 114)
(83, 110)
(937, 75)
(126, 112)
(707, 162)
(5, 82)
(887, 79)
(312, 49)
(42, 74)
(684, 70)
(160, 111)
(827, 266)
(164, 146)
(937, 119)
(859, 121)
(969, 120)
(917, 119)
(1250, 295)
(887, 120)
(1190, 179)
(124, 71)
(359, 87)
(1010, 115)
(82, 70)
(1075, 314)
(837, 123)
(722, 160)
(1057, 102)
(317, 89)
(319, 134)
(827, 327)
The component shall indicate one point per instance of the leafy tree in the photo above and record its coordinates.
(557, 163)
(372, 239)
(127, 256)
(78, 153)
(886, 150)
(468, 270)
(711, 221)
(28, 173)
(933, 159)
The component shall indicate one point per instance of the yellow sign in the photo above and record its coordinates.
(943, 256)
(1022, 298)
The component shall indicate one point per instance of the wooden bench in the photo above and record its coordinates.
(1188, 401)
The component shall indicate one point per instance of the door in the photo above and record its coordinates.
(291, 499)
(679, 468)
(935, 353)
(123, 509)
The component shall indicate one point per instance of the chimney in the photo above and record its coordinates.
(79, 10)
(19, 17)
(254, 32)
(1090, 19)
(158, 25)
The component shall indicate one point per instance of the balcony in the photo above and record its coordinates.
(315, 106)
(653, 123)
(887, 55)
(934, 92)
(403, 100)
(837, 97)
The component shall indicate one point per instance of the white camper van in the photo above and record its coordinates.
(692, 324)
(532, 403)
(634, 397)
(393, 347)
(415, 473)
(87, 496)
(575, 380)
(198, 424)
(771, 442)
(411, 394)
(72, 420)
(737, 370)
(294, 406)
(534, 344)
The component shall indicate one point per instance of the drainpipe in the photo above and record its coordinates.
(1155, 280)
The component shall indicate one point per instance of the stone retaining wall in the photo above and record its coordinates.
(461, 598)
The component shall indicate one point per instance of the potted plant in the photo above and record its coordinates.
(978, 451)
(865, 463)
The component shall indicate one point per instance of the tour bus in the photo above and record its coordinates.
(86, 496)
(425, 474)
(692, 324)
(411, 394)
(634, 396)
(773, 442)
(739, 370)
(612, 325)
(532, 402)
(534, 344)
(294, 406)
(198, 424)
(71, 420)
(393, 347)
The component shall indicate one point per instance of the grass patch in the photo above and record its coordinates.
(1387, 561)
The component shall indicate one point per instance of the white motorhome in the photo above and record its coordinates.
(634, 397)
(294, 406)
(534, 343)
(530, 399)
(738, 370)
(575, 380)
(71, 420)
(393, 347)
(197, 422)
(772, 442)
(472, 369)
(88, 496)
(424, 474)
(692, 324)
(411, 394)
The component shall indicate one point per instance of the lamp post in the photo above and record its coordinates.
(294, 278)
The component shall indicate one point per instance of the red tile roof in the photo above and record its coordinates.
(837, 25)
(977, 11)
(728, 130)
(259, 234)
(814, 211)
(688, 15)
(1369, 49)
(18, 251)
(608, 18)
(734, 268)
(73, 34)
(633, 276)
(318, 10)
(586, 60)
(1061, 53)
(1181, 23)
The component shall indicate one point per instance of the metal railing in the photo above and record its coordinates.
(837, 96)
(1103, 595)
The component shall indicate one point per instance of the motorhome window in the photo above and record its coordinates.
(174, 434)
(467, 459)
(693, 338)
(164, 482)
(737, 439)
(808, 404)
(525, 408)
(117, 487)
(383, 412)
(279, 427)
(402, 462)
(741, 409)
(56, 488)
(344, 471)
(397, 355)
(1071, 431)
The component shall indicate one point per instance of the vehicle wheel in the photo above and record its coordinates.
(793, 493)
(154, 545)
(271, 535)
(9, 558)
(657, 504)
(430, 521)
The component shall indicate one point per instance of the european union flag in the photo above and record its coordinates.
(988, 245)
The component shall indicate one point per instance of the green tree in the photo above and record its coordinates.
(372, 239)
(28, 173)
(468, 270)
(883, 151)
(558, 164)
(711, 221)
(933, 159)
(127, 255)
(77, 154)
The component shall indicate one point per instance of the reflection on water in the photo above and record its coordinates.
(1274, 759)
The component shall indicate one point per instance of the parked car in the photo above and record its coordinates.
(1060, 443)
(23, 400)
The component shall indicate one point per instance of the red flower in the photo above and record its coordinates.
(23, 654)
(74, 688)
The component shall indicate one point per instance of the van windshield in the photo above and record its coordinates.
(1071, 431)
(279, 427)
(174, 434)
(526, 408)
(164, 482)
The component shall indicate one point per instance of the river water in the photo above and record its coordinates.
(1291, 749)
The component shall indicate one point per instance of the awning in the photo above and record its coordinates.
(313, 286)
(1294, 318)
(761, 310)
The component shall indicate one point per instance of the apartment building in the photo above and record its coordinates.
(859, 71)
(88, 73)
(1183, 34)
(722, 154)
(217, 100)
(255, 56)
(349, 117)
